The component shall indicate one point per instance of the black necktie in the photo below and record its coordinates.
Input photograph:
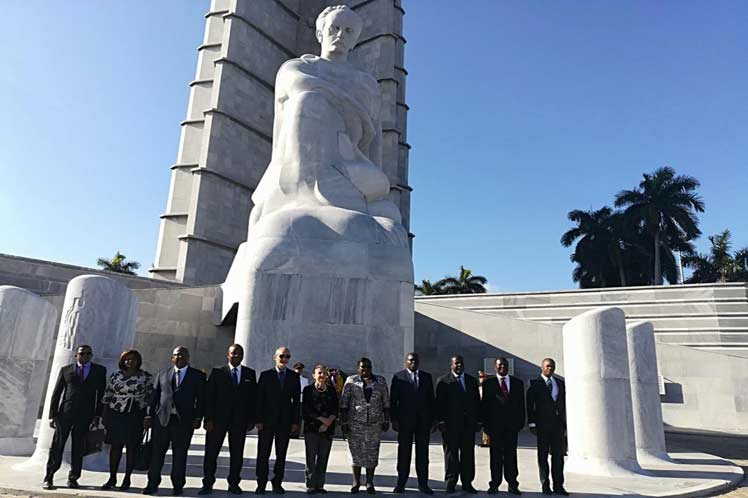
(282, 376)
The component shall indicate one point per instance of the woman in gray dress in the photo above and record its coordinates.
(364, 415)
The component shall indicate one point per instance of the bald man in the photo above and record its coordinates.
(279, 414)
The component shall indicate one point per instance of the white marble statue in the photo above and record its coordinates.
(599, 419)
(645, 394)
(27, 324)
(100, 312)
(326, 247)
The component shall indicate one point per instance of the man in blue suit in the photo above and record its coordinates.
(175, 412)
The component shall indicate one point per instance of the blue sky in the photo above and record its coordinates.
(520, 112)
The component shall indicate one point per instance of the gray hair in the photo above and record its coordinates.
(322, 17)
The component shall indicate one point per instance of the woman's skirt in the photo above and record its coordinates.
(363, 443)
(124, 428)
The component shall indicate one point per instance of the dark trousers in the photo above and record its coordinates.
(551, 440)
(503, 452)
(179, 435)
(317, 453)
(213, 442)
(64, 426)
(264, 445)
(405, 438)
(459, 456)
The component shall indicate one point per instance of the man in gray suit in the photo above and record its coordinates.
(177, 403)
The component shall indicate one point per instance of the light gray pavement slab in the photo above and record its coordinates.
(695, 474)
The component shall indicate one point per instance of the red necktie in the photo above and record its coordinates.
(504, 390)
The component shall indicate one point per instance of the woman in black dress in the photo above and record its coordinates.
(125, 400)
(320, 409)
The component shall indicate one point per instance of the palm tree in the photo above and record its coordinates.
(719, 265)
(665, 205)
(600, 247)
(465, 283)
(428, 289)
(117, 264)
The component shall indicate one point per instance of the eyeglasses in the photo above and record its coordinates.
(284, 355)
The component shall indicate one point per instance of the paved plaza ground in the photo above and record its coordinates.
(672, 482)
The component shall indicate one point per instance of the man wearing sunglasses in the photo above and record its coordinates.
(75, 404)
(279, 414)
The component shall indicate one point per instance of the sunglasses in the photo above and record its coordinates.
(85, 353)
(284, 356)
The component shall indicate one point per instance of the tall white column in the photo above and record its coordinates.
(645, 394)
(100, 312)
(27, 333)
(598, 395)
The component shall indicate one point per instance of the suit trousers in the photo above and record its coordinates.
(213, 443)
(64, 426)
(405, 436)
(178, 433)
(551, 440)
(266, 436)
(459, 456)
(503, 454)
(317, 447)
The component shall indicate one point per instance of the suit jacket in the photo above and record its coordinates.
(545, 413)
(410, 407)
(188, 398)
(458, 409)
(500, 413)
(227, 403)
(278, 405)
(76, 398)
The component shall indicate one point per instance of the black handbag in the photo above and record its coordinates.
(94, 439)
(145, 449)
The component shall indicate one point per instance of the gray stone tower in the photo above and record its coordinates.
(225, 143)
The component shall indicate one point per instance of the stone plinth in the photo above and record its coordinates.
(645, 393)
(599, 419)
(100, 312)
(26, 333)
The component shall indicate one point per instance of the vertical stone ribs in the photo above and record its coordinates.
(225, 141)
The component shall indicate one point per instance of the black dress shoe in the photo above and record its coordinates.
(205, 490)
(278, 489)
(450, 488)
(109, 484)
(125, 484)
(514, 490)
(547, 490)
(354, 488)
(260, 490)
(426, 490)
(370, 489)
(73, 484)
(322, 491)
(311, 491)
(469, 489)
(149, 491)
(48, 484)
(560, 491)
(235, 490)
(399, 489)
(176, 491)
(492, 490)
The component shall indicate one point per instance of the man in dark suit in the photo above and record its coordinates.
(503, 411)
(279, 414)
(75, 404)
(412, 414)
(175, 411)
(229, 407)
(457, 412)
(546, 417)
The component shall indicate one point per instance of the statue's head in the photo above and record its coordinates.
(338, 29)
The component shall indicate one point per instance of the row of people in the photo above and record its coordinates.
(231, 401)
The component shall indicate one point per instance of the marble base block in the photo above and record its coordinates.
(600, 423)
(98, 311)
(645, 394)
(26, 336)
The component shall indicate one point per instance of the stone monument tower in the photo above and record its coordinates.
(226, 138)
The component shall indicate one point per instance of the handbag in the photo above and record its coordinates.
(94, 439)
(145, 449)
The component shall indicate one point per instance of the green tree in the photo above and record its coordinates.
(118, 265)
(464, 283)
(720, 265)
(665, 205)
(428, 289)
